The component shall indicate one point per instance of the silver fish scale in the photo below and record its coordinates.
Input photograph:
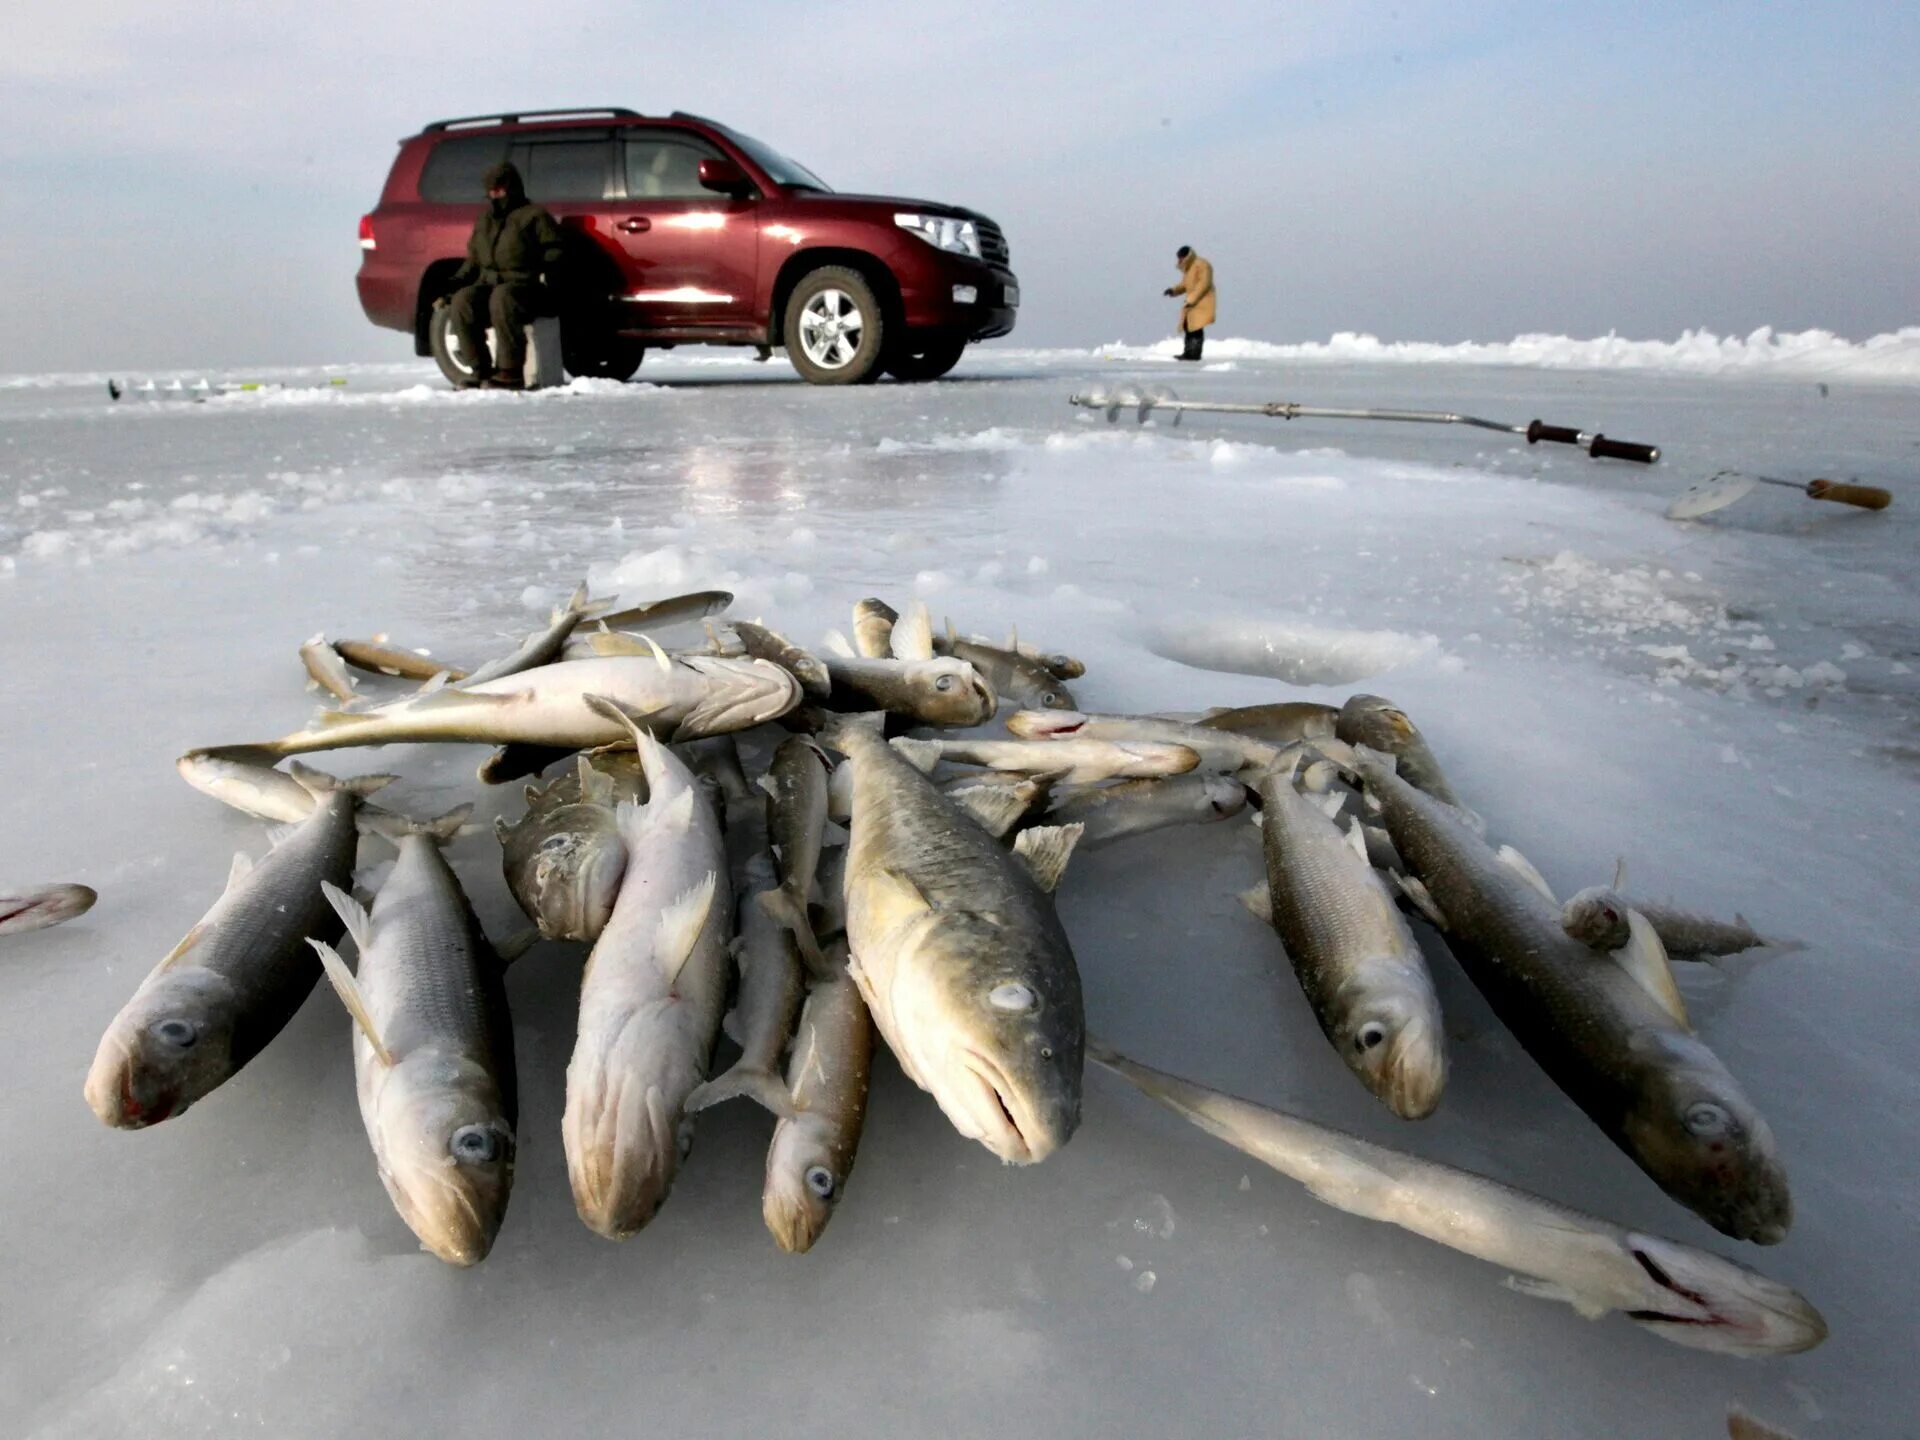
(1332, 915)
(257, 931)
(427, 976)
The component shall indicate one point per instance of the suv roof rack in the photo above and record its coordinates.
(616, 112)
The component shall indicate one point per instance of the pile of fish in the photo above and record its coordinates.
(889, 868)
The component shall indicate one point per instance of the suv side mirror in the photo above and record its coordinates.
(726, 176)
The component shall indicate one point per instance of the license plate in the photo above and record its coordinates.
(1013, 295)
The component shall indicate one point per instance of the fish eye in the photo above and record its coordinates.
(1706, 1118)
(554, 842)
(1369, 1035)
(1046, 1052)
(1012, 996)
(1049, 697)
(178, 1033)
(820, 1181)
(945, 682)
(473, 1142)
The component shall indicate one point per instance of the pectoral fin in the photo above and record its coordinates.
(348, 989)
(1046, 850)
(1645, 959)
(680, 926)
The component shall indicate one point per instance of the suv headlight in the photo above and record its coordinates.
(943, 232)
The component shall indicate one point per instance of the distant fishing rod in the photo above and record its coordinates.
(1598, 446)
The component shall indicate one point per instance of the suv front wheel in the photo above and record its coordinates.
(834, 330)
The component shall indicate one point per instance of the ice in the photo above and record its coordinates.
(1894, 356)
(1583, 667)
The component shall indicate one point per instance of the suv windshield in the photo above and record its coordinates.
(789, 174)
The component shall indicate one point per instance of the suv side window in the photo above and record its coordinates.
(454, 170)
(665, 165)
(564, 169)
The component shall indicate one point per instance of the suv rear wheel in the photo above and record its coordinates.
(834, 329)
(928, 359)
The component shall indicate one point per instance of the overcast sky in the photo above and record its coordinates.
(186, 177)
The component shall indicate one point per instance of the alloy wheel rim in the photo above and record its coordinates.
(831, 327)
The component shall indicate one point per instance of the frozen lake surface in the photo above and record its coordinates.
(1730, 704)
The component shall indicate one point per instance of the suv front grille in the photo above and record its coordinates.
(993, 244)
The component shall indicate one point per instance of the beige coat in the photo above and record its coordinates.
(1196, 281)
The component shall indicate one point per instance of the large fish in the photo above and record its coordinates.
(1681, 1294)
(326, 670)
(564, 859)
(1133, 807)
(1379, 724)
(650, 1002)
(24, 910)
(771, 983)
(1357, 961)
(960, 956)
(1280, 723)
(1073, 761)
(432, 1047)
(674, 610)
(796, 819)
(543, 646)
(684, 698)
(914, 682)
(377, 657)
(1014, 676)
(256, 789)
(765, 644)
(237, 977)
(873, 622)
(1656, 1090)
(1220, 750)
(813, 1147)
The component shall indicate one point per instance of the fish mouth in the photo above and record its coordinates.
(112, 1096)
(446, 1217)
(794, 1223)
(1000, 1115)
(1046, 724)
(1412, 1074)
(1751, 1316)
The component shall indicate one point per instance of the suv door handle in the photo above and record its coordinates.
(634, 224)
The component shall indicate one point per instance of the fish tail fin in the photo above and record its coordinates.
(753, 1081)
(351, 996)
(439, 828)
(318, 782)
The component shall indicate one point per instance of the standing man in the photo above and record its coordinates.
(1196, 312)
(514, 243)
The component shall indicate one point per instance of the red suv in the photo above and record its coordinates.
(683, 232)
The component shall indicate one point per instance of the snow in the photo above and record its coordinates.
(1729, 703)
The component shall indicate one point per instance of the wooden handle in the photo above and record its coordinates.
(1867, 497)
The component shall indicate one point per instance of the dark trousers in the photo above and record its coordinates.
(1195, 339)
(509, 309)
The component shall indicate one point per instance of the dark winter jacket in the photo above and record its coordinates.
(513, 241)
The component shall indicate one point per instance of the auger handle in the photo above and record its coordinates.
(1867, 497)
(1605, 449)
(1559, 434)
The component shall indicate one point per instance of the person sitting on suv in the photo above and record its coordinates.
(514, 243)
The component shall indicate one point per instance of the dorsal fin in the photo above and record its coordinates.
(348, 989)
(997, 808)
(436, 683)
(242, 867)
(677, 814)
(1420, 898)
(837, 645)
(913, 633)
(923, 755)
(680, 926)
(1356, 840)
(1046, 850)
(1523, 867)
(352, 914)
(1645, 959)
(595, 788)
